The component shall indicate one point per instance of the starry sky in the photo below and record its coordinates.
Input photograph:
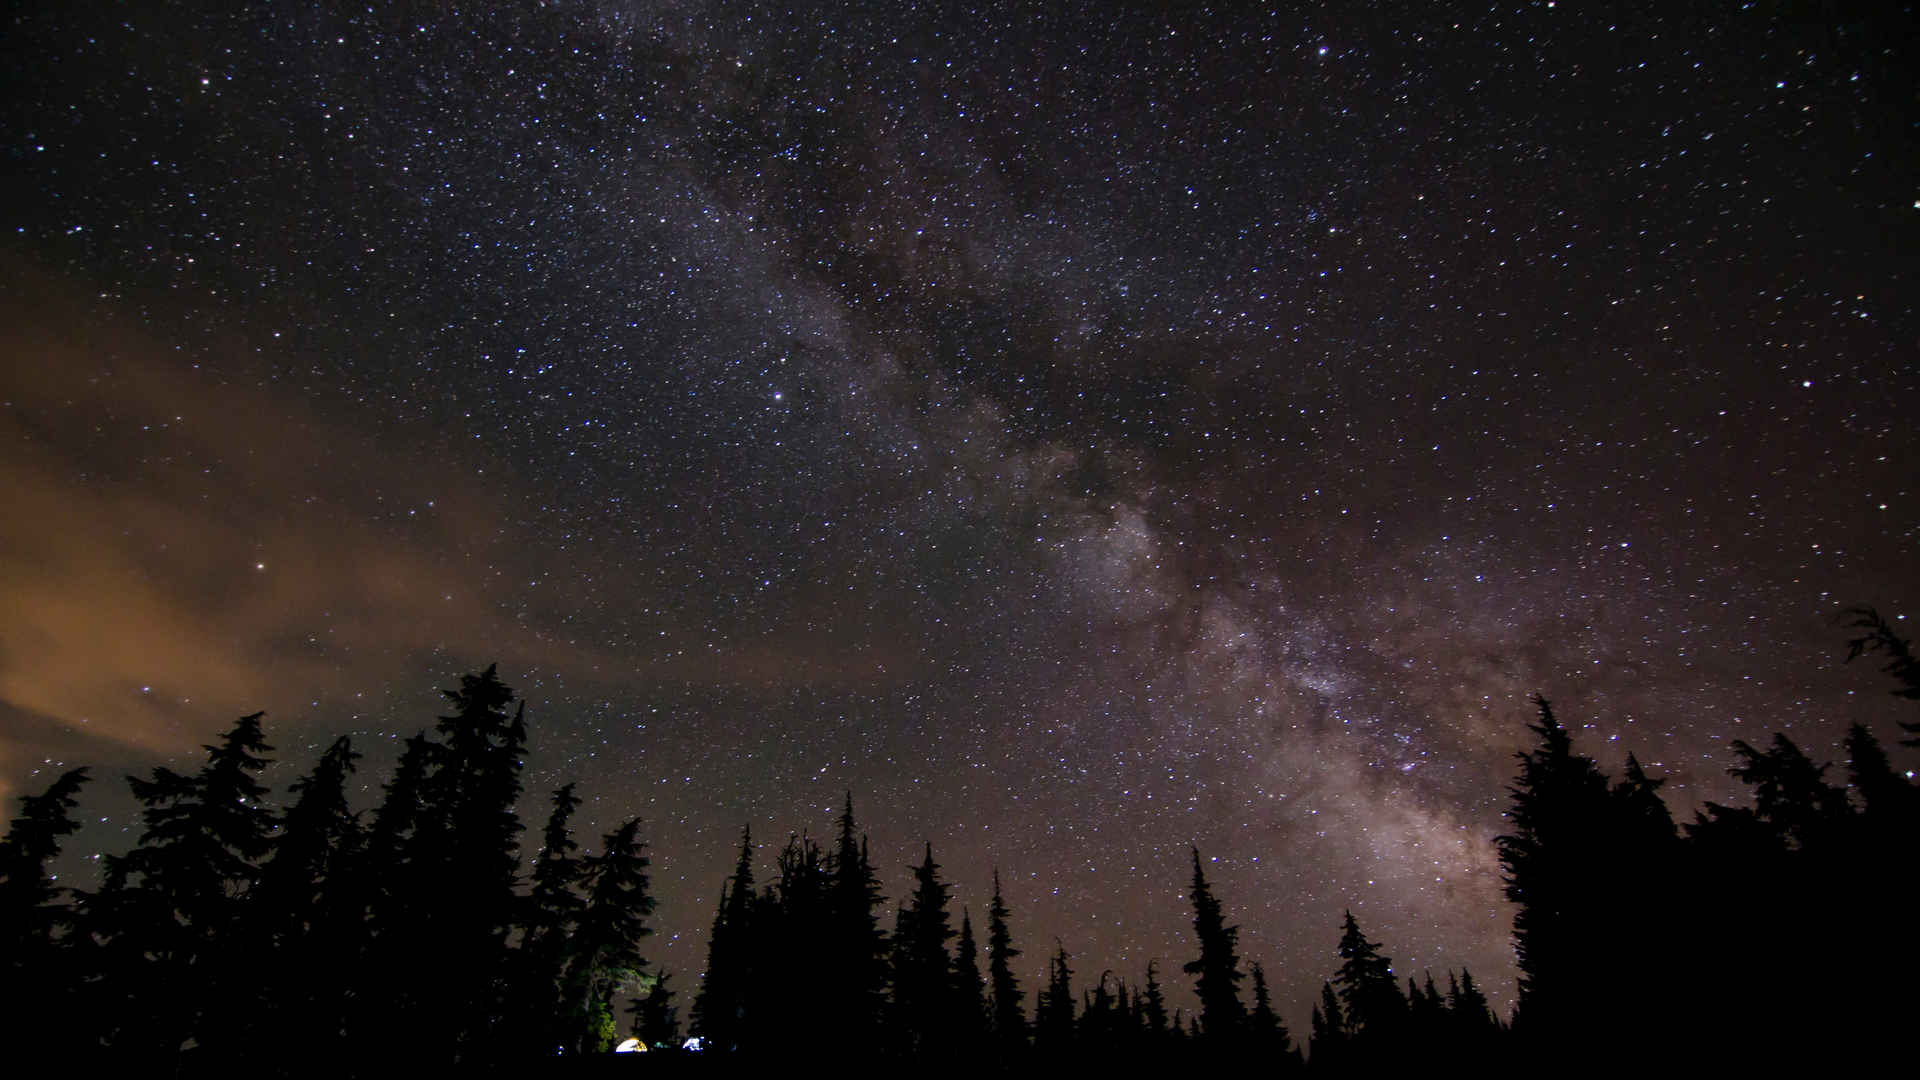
(1081, 430)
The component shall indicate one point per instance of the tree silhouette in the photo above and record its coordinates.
(1327, 1049)
(1009, 1020)
(30, 913)
(36, 959)
(307, 914)
(1561, 807)
(1216, 971)
(1153, 1006)
(922, 983)
(604, 958)
(720, 1008)
(1268, 1038)
(1369, 994)
(550, 913)
(468, 842)
(1877, 636)
(856, 975)
(656, 1021)
(175, 972)
(1053, 1019)
(969, 993)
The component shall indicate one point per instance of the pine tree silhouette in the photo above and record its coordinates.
(397, 892)
(550, 912)
(922, 983)
(656, 1021)
(469, 843)
(31, 914)
(37, 951)
(1877, 636)
(720, 1008)
(1268, 1039)
(604, 957)
(176, 975)
(1216, 971)
(1375, 1011)
(969, 993)
(1009, 1020)
(856, 975)
(1561, 809)
(1153, 1008)
(1327, 1049)
(1053, 1020)
(307, 915)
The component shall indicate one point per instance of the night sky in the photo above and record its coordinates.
(1080, 434)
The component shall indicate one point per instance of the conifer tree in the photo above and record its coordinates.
(1099, 1028)
(1268, 1037)
(36, 959)
(30, 912)
(656, 1021)
(922, 983)
(969, 993)
(1009, 1018)
(1791, 792)
(1885, 796)
(856, 977)
(605, 956)
(1327, 1049)
(1053, 1019)
(1369, 993)
(1471, 1021)
(720, 1008)
(1216, 971)
(467, 844)
(308, 915)
(397, 890)
(1877, 636)
(167, 904)
(1560, 818)
(550, 912)
(1153, 1006)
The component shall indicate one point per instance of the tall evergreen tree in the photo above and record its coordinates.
(1470, 1021)
(1369, 993)
(856, 977)
(1560, 816)
(1327, 1050)
(398, 893)
(469, 841)
(551, 911)
(605, 956)
(1008, 1012)
(922, 981)
(656, 1021)
(35, 956)
(307, 914)
(1268, 1038)
(31, 915)
(1100, 1027)
(1153, 1007)
(1216, 971)
(969, 994)
(1053, 1019)
(168, 904)
(720, 1008)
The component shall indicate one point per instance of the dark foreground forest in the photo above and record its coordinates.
(241, 937)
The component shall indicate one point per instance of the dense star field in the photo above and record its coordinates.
(1080, 434)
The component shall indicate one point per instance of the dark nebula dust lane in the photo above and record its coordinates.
(1081, 434)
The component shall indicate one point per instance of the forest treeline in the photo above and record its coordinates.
(311, 938)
